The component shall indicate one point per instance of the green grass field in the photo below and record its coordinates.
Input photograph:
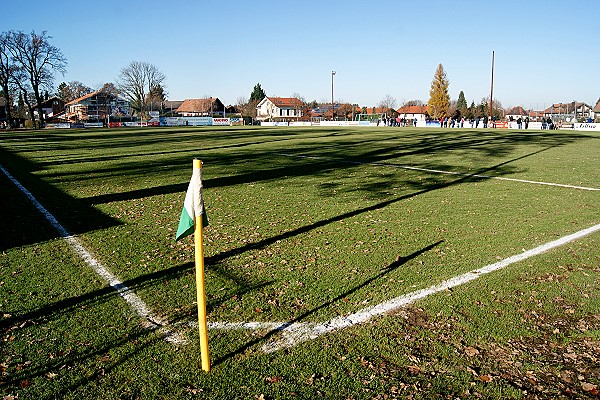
(306, 225)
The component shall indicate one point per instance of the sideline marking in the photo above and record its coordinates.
(437, 171)
(294, 333)
(152, 321)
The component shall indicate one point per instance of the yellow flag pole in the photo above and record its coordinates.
(200, 293)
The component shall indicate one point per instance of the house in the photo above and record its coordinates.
(16, 119)
(51, 108)
(207, 107)
(279, 109)
(515, 113)
(413, 112)
(564, 111)
(96, 106)
(596, 111)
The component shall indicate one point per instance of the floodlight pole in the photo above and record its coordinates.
(492, 91)
(332, 104)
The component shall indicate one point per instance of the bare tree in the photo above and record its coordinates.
(414, 103)
(73, 90)
(137, 80)
(19, 80)
(247, 107)
(298, 96)
(37, 59)
(6, 71)
(110, 89)
(388, 102)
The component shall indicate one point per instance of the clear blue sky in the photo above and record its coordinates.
(545, 51)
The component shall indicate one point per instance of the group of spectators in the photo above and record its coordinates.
(549, 124)
(397, 121)
(460, 122)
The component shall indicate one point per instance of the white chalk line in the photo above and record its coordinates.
(294, 333)
(437, 171)
(151, 320)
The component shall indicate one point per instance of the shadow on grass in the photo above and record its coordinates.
(350, 149)
(79, 364)
(57, 309)
(261, 164)
(390, 268)
(307, 228)
(106, 354)
(78, 215)
(22, 224)
(436, 185)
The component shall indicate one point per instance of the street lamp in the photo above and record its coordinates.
(332, 104)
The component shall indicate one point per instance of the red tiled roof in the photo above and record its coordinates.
(197, 105)
(597, 108)
(563, 108)
(536, 114)
(518, 110)
(286, 102)
(412, 110)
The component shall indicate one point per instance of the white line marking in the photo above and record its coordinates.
(437, 171)
(152, 321)
(295, 333)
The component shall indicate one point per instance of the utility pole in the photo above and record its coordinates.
(332, 103)
(492, 90)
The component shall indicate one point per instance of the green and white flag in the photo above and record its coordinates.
(193, 206)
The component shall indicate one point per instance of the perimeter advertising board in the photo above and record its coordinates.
(587, 127)
(221, 121)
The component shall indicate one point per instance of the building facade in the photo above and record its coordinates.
(97, 106)
(566, 111)
(413, 112)
(279, 109)
(208, 107)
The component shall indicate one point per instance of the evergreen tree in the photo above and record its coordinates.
(62, 91)
(461, 103)
(21, 106)
(472, 112)
(257, 93)
(439, 100)
(72, 90)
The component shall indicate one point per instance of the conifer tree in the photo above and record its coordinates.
(257, 93)
(439, 100)
(461, 103)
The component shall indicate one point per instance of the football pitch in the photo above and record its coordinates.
(343, 263)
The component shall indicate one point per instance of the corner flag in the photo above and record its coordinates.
(193, 218)
(193, 206)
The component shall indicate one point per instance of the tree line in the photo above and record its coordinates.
(29, 64)
(440, 106)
